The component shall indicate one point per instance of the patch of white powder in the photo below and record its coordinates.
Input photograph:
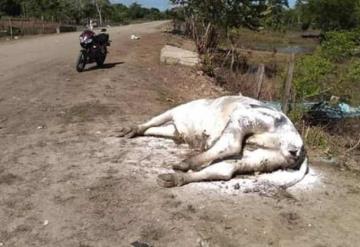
(155, 156)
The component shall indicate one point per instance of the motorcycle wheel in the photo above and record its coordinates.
(81, 62)
(101, 59)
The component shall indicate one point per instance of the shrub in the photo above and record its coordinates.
(296, 114)
(312, 72)
(339, 46)
(208, 64)
(348, 85)
(353, 71)
(316, 137)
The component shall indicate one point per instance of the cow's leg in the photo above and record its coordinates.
(229, 144)
(242, 123)
(156, 121)
(218, 171)
(277, 170)
(139, 130)
(168, 131)
(261, 160)
(258, 160)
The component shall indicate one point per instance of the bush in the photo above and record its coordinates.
(353, 71)
(296, 114)
(312, 73)
(333, 69)
(208, 65)
(348, 85)
(316, 137)
(338, 46)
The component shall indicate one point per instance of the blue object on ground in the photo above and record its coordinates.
(322, 110)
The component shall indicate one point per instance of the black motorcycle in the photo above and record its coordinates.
(94, 48)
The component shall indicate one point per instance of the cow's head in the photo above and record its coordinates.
(292, 145)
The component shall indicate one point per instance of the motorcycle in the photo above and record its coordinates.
(94, 48)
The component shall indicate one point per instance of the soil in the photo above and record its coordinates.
(65, 180)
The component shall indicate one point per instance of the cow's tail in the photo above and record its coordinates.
(286, 178)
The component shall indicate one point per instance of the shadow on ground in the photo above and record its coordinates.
(104, 66)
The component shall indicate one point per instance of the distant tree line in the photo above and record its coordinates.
(325, 15)
(208, 21)
(78, 11)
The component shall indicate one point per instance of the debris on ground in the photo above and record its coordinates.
(323, 112)
(40, 127)
(175, 55)
(134, 37)
(140, 244)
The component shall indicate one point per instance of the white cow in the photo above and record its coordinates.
(237, 135)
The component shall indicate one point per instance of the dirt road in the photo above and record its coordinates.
(64, 181)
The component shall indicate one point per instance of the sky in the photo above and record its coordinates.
(161, 4)
(292, 3)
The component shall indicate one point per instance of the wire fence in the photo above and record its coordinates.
(12, 27)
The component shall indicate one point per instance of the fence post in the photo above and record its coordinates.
(260, 79)
(43, 24)
(58, 28)
(288, 83)
(33, 26)
(11, 29)
(22, 27)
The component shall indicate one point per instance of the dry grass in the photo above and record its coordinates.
(247, 38)
(340, 141)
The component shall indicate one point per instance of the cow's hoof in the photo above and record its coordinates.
(169, 180)
(183, 166)
(128, 132)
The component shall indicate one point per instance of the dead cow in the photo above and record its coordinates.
(237, 134)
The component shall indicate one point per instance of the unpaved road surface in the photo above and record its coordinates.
(65, 181)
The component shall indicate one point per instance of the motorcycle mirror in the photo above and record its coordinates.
(103, 30)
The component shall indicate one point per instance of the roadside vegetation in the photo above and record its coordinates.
(79, 11)
(237, 38)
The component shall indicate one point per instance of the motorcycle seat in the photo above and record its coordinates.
(102, 38)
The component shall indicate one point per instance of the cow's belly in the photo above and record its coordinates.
(204, 120)
(199, 124)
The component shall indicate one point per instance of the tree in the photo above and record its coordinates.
(119, 13)
(331, 14)
(276, 14)
(10, 7)
(77, 11)
(100, 6)
(135, 11)
(207, 19)
(154, 14)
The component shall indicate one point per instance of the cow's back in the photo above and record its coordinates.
(207, 118)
